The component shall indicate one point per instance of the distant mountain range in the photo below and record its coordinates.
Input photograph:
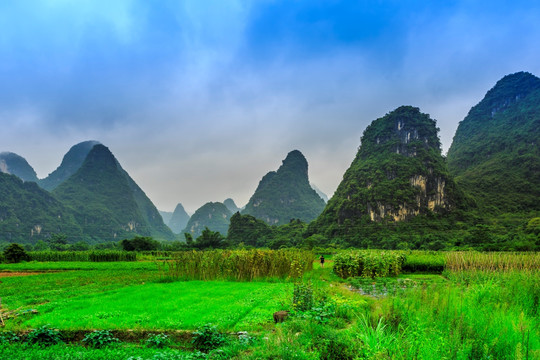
(397, 177)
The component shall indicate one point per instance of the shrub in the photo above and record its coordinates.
(8, 337)
(303, 296)
(99, 338)
(368, 264)
(44, 336)
(207, 337)
(158, 340)
(15, 253)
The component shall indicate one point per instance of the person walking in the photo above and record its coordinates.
(322, 261)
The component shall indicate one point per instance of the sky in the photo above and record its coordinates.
(199, 99)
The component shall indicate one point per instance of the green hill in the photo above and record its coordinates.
(11, 163)
(213, 215)
(107, 202)
(286, 194)
(179, 219)
(495, 154)
(29, 213)
(71, 162)
(397, 175)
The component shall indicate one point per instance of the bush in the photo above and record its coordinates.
(99, 338)
(44, 336)
(158, 340)
(207, 337)
(8, 337)
(15, 253)
(302, 296)
(368, 264)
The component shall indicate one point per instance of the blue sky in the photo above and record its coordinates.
(199, 99)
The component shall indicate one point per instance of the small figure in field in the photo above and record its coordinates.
(322, 261)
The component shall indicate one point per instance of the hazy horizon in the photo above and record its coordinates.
(199, 100)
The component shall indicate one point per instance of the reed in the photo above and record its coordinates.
(84, 256)
(492, 261)
(236, 265)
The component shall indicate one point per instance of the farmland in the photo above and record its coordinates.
(425, 305)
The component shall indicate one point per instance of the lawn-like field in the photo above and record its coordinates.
(132, 296)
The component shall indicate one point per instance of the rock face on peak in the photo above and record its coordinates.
(107, 203)
(398, 173)
(11, 163)
(213, 215)
(71, 162)
(179, 219)
(495, 154)
(286, 194)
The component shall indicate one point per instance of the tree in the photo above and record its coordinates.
(58, 242)
(140, 243)
(15, 253)
(210, 239)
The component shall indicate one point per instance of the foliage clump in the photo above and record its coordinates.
(15, 253)
(158, 340)
(368, 264)
(44, 336)
(99, 338)
(207, 338)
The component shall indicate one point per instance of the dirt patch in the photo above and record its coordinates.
(17, 273)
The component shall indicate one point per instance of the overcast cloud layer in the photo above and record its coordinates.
(199, 99)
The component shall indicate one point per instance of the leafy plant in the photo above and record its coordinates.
(44, 336)
(158, 340)
(8, 337)
(15, 253)
(99, 338)
(207, 337)
(303, 296)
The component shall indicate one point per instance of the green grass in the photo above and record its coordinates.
(164, 306)
(71, 352)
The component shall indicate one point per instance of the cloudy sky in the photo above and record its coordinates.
(199, 99)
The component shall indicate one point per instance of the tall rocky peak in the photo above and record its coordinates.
(213, 215)
(108, 204)
(398, 173)
(286, 194)
(179, 219)
(71, 162)
(495, 153)
(11, 163)
(231, 205)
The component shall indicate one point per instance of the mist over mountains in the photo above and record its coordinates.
(398, 183)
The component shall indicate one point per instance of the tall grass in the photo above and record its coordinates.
(492, 261)
(236, 265)
(84, 256)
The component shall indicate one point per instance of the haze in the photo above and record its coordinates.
(199, 99)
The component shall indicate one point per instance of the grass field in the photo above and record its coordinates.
(488, 309)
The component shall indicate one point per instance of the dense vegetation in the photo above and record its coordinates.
(29, 212)
(71, 162)
(495, 154)
(107, 203)
(412, 316)
(286, 194)
(398, 174)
